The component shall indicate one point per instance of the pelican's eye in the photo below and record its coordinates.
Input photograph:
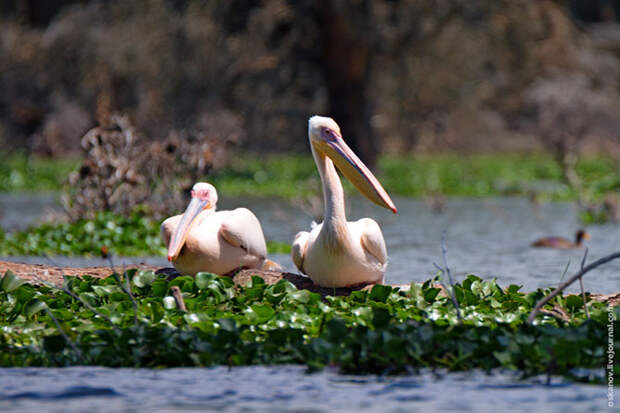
(328, 134)
(202, 194)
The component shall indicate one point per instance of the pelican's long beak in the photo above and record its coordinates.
(179, 236)
(354, 170)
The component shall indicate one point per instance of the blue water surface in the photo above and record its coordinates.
(285, 389)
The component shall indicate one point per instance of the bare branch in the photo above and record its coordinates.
(126, 287)
(583, 291)
(565, 271)
(127, 290)
(571, 280)
(76, 297)
(583, 260)
(446, 270)
(62, 333)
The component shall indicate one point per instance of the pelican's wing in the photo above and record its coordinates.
(167, 228)
(298, 250)
(242, 229)
(372, 239)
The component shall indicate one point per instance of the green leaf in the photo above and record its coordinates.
(205, 279)
(430, 294)
(574, 301)
(62, 314)
(336, 329)
(11, 282)
(301, 296)
(380, 292)
(107, 290)
(380, 317)
(259, 314)
(181, 282)
(170, 303)
(504, 357)
(34, 307)
(227, 324)
(144, 278)
(160, 287)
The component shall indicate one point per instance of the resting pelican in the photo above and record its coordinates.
(338, 253)
(218, 242)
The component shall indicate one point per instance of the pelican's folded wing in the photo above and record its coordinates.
(372, 240)
(298, 249)
(242, 229)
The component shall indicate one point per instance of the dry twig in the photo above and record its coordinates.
(583, 291)
(446, 270)
(63, 334)
(76, 297)
(571, 280)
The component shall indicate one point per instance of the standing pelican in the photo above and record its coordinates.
(338, 253)
(218, 242)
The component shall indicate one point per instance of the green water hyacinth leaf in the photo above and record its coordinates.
(227, 324)
(89, 298)
(34, 307)
(380, 317)
(573, 302)
(107, 290)
(160, 287)
(258, 314)
(170, 303)
(62, 314)
(430, 294)
(304, 297)
(185, 283)
(205, 280)
(380, 292)
(10, 282)
(144, 278)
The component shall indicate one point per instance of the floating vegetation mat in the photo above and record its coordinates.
(133, 235)
(136, 319)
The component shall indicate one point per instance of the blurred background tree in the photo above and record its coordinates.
(426, 75)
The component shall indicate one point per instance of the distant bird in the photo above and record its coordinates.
(219, 242)
(338, 253)
(562, 243)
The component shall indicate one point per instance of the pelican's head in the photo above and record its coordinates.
(204, 197)
(326, 139)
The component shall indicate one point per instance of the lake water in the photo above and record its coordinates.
(285, 389)
(489, 237)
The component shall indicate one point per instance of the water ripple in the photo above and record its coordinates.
(69, 393)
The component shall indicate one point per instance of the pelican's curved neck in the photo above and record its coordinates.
(204, 214)
(333, 194)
